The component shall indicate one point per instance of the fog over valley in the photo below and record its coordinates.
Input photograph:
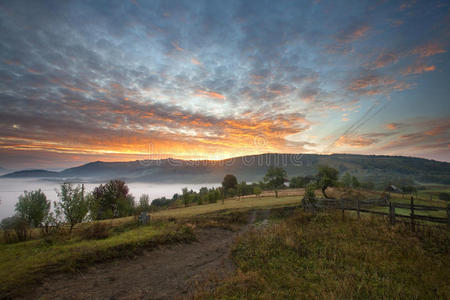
(12, 188)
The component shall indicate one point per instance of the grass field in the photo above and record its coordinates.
(326, 257)
(28, 262)
(230, 204)
(316, 256)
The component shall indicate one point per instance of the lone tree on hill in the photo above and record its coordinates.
(327, 177)
(33, 207)
(186, 196)
(112, 200)
(275, 177)
(229, 182)
(72, 204)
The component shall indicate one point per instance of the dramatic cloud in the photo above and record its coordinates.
(355, 141)
(418, 68)
(115, 80)
(392, 126)
(429, 49)
(385, 59)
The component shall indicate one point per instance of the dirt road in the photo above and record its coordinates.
(166, 273)
(170, 272)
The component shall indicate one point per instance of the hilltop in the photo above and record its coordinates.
(252, 168)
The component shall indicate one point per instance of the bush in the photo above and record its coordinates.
(15, 229)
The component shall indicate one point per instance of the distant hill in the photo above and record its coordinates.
(31, 173)
(252, 168)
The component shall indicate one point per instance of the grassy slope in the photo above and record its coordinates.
(27, 262)
(235, 204)
(325, 257)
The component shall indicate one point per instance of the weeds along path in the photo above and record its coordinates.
(166, 273)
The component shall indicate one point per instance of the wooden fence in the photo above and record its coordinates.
(367, 206)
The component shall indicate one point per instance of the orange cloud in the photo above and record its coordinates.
(359, 32)
(195, 61)
(201, 93)
(68, 86)
(175, 45)
(428, 50)
(418, 68)
(438, 130)
(407, 4)
(354, 141)
(385, 59)
(370, 81)
(391, 126)
(353, 34)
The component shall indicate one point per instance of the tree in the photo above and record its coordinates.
(297, 182)
(203, 195)
(355, 182)
(72, 204)
(33, 207)
(241, 188)
(229, 182)
(144, 203)
(257, 190)
(275, 177)
(186, 196)
(309, 199)
(347, 180)
(327, 177)
(112, 200)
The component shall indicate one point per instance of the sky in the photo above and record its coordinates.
(82, 81)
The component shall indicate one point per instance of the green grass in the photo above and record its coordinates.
(325, 257)
(28, 262)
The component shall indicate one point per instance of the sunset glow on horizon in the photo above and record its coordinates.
(82, 81)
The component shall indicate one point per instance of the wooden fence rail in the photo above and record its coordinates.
(363, 206)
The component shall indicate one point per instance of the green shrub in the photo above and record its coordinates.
(15, 229)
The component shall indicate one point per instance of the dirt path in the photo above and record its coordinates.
(166, 273)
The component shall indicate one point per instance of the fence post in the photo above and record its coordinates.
(342, 207)
(358, 207)
(448, 214)
(392, 212)
(412, 213)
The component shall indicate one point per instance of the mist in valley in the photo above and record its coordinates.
(12, 188)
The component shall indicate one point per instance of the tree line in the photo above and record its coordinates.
(113, 200)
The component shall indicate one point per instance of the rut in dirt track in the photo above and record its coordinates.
(166, 273)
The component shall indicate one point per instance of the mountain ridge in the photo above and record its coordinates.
(252, 168)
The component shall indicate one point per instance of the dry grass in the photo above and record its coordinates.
(230, 204)
(325, 257)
